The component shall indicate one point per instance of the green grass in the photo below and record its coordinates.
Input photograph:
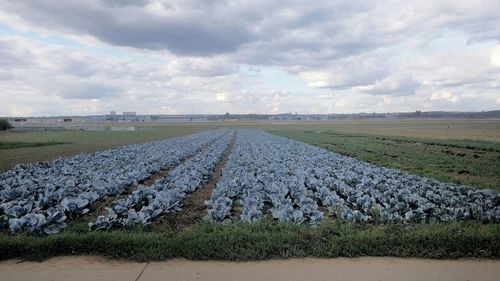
(18, 144)
(266, 240)
(469, 162)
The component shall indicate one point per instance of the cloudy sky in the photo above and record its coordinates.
(76, 57)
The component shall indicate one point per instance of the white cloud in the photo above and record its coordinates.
(495, 57)
(21, 111)
(153, 56)
(316, 79)
(444, 95)
(221, 97)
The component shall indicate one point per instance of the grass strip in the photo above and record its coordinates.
(266, 240)
(16, 144)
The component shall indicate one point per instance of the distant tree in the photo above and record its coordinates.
(5, 125)
(226, 116)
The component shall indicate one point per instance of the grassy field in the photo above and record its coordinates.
(475, 163)
(483, 130)
(19, 144)
(266, 240)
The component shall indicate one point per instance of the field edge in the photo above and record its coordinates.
(266, 240)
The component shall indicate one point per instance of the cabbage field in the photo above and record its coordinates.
(41, 197)
(295, 182)
(265, 176)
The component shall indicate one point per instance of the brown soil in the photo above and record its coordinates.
(99, 208)
(194, 208)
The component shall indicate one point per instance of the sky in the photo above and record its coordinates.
(90, 57)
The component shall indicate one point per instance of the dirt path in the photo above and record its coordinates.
(194, 208)
(366, 269)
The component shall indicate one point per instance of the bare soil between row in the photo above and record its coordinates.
(194, 208)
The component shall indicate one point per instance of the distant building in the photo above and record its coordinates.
(317, 117)
(181, 118)
(298, 117)
(128, 128)
(112, 113)
(129, 113)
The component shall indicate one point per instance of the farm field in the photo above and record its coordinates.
(468, 162)
(67, 143)
(456, 129)
(285, 140)
(459, 151)
(238, 194)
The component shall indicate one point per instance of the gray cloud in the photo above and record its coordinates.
(352, 54)
(13, 55)
(275, 32)
(262, 32)
(88, 90)
(121, 3)
(183, 30)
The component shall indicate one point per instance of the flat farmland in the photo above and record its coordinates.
(481, 130)
(47, 145)
(239, 194)
(459, 151)
(469, 162)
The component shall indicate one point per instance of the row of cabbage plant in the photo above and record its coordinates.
(257, 173)
(167, 194)
(38, 198)
(293, 177)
